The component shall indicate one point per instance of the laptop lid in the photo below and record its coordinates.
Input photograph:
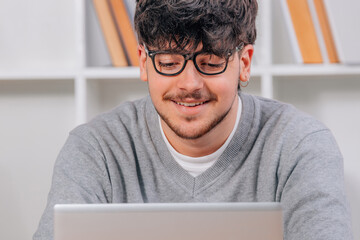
(169, 221)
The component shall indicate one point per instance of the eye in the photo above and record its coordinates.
(167, 64)
(210, 59)
(210, 63)
(213, 65)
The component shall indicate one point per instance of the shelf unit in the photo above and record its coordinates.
(331, 93)
(264, 71)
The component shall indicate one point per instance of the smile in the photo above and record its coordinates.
(189, 104)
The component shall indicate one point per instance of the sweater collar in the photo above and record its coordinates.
(234, 154)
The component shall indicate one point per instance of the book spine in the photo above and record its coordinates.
(108, 27)
(291, 33)
(319, 35)
(131, 7)
(96, 48)
(125, 30)
(326, 31)
(305, 31)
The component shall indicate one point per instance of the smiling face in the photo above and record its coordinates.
(192, 105)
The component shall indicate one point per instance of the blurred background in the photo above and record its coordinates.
(55, 74)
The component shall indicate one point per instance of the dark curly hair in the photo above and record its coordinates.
(220, 25)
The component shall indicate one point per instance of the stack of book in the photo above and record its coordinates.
(323, 31)
(115, 17)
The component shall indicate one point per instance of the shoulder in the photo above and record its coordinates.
(296, 136)
(282, 127)
(285, 117)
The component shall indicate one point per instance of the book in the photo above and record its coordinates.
(296, 53)
(326, 31)
(125, 30)
(112, 38)
(344, 21)
(97, 53)
(131, 7)
(305, 33)
(318, 31)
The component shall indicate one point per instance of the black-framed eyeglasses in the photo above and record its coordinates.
(169, 63)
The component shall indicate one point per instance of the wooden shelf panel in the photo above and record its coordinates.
(314, 70)
(37, 75)
(112, 72)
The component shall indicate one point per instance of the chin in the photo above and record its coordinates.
(192, 130)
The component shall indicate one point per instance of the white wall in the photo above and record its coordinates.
(35, 115)
(37, 34)
(35, 119)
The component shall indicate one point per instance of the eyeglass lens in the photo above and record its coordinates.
(171, 63)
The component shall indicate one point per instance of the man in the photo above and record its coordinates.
(196, 138)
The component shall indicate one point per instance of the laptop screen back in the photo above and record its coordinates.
(170, 221)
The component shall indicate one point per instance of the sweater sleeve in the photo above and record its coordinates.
(313, 196)
(80, 176)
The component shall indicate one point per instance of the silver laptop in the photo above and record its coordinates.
(169, 221)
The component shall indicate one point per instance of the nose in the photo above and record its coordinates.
(190, 79)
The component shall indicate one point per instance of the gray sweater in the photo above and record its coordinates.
(276, 155)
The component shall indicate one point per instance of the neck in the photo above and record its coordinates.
(208, 143)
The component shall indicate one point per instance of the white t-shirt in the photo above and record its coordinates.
(197, 165)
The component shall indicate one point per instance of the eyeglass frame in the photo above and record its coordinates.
(187, 57)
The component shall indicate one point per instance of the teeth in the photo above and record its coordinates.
(189, 104)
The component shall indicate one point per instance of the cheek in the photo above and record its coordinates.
(225, 87)
(158, 86)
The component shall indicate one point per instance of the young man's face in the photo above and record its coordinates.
(192, 104)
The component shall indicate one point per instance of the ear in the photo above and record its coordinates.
(142, 62)
(245, 62)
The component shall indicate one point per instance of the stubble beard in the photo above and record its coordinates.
(206, 127)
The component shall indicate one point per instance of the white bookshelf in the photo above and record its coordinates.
(47, 89)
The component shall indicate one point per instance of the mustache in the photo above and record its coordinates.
(196, 95)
